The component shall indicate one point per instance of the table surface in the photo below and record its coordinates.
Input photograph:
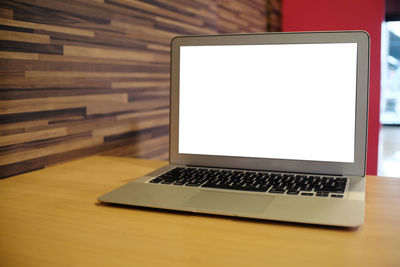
(51, 217)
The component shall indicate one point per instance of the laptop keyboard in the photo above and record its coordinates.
(274, 183)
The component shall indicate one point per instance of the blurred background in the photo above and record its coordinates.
(83, 77)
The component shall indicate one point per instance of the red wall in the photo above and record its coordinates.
(315, 15)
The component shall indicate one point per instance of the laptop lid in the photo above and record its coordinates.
(291, 102)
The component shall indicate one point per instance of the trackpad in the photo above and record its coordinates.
(228, 202)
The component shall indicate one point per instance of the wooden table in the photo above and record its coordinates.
(51, 217)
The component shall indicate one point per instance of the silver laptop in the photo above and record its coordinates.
(269, 126)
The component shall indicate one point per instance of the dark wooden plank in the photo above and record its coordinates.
(48, 114)
(31, 47)
(16, 29)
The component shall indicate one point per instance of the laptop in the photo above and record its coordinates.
(269, 126)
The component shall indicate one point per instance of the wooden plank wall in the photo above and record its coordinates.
(80, 77)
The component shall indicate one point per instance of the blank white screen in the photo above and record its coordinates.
(292, 101)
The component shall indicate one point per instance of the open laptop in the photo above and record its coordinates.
(268, 126)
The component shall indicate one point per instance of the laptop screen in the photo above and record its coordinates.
(289, 101)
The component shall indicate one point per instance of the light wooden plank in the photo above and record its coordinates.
(24, 124)
(47, 27)
(19, 55)
(91, 74)
(109, 53)
(93, 109)
(55, 103)
(139, 84)
(142, 114)
(158, 92)
(32, 136)
(24, 37)
(158, 47)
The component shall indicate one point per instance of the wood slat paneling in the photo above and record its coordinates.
(82, 77)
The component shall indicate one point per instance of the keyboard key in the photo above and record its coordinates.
(192, 184)
(276, 191)
(306, 189)
(251, 188)
(322, 192)
(307, 194)
(337, 196)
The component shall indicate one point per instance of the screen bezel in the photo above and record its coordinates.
(304, 166)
